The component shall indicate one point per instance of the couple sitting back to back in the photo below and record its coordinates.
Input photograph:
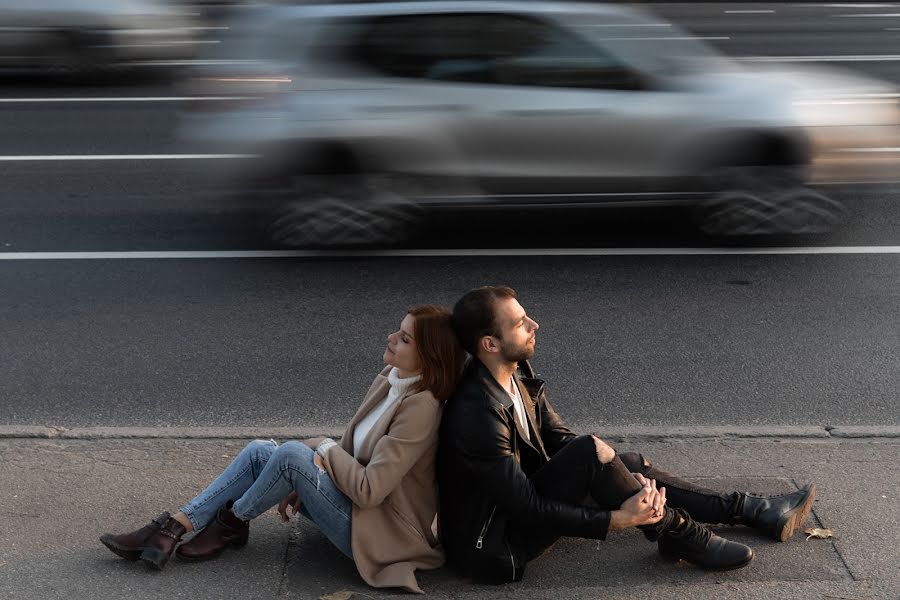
(430, 417)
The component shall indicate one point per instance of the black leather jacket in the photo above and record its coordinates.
(483, 469)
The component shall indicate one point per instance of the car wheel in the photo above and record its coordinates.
(343, 211)
(765, 201)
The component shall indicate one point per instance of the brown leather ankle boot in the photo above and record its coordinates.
(225, 530)
(130, 545)
(160, 545)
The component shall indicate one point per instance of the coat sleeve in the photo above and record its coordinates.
(412, 432)
(487, 450)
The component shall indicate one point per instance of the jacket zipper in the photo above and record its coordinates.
(478, 542)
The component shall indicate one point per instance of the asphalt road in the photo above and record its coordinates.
(690, 340)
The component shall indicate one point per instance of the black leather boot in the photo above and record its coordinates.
(130, 545)
(694, 543)
(778, 516)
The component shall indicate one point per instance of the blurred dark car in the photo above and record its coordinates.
(366, 116)
(89, 36)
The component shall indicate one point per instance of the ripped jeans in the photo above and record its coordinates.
(260, 477)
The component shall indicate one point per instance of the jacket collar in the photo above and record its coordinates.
(499, 394)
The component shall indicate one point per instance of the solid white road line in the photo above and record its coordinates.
(821, 58)
(870, 15)
(446, 252)
(67, 157)
(124, 99)
(748, 12)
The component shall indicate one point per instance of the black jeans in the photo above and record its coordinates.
(576, 475)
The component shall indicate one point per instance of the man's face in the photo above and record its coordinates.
(516, 329)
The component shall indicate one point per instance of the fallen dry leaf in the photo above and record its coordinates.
(2, 563)
(815, 532)
(342, 595)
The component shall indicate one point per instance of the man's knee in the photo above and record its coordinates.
(635, 462)
(605, 452)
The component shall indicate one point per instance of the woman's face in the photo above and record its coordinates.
(401, 349)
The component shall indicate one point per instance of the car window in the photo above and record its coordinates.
(486, 48)
(533, 52)
(412, 45)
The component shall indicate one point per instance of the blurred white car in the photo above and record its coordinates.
(91, 35)
(370, 114)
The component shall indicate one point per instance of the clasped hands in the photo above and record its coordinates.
(646, 507)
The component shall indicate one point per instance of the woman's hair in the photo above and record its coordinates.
(441, 356)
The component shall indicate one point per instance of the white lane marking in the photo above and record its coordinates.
(194, 61)
(883, 149)
(823, 58)
(445, 252)
(748, 12)
(125, 99)
(655, 39)
(869, 15)
(67, 157)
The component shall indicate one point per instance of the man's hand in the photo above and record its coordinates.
(644, 508)
(292, 500)
(660, 498)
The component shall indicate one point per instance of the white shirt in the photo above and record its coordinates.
(519, 406)
(399, 387)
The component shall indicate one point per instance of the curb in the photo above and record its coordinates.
(619, 434)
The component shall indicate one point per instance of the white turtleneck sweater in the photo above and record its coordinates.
(399, 387)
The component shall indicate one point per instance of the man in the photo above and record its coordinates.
(513, 478)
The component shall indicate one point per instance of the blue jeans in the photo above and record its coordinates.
(262, 475)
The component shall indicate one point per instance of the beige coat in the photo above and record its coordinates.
(392, 486)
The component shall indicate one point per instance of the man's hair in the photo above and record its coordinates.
(439, 352)
(474, 315)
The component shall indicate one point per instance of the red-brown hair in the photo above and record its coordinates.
(441, 356)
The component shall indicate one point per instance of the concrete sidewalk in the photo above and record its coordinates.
(58, 495)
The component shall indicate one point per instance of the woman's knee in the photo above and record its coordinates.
(293, 452)
(260, 449)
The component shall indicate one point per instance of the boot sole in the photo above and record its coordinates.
(675, 559)
(235, 545)
(123, 551)
(155, 558)
(794, 519)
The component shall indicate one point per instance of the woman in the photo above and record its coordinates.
(372, 494)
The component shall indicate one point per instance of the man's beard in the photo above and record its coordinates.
(516, 354)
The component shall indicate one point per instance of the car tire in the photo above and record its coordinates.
(765, 200)
(344, 211)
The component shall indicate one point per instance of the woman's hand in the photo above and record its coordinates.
(292, 500)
